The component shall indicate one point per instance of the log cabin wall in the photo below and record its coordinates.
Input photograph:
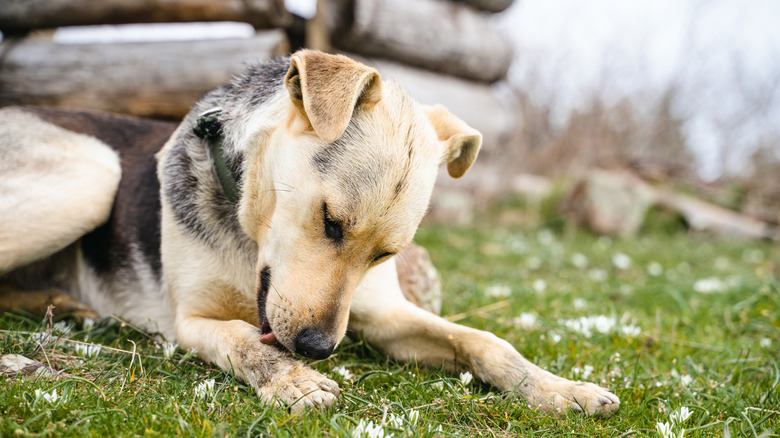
(442, 51)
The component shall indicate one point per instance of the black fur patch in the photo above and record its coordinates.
(135, 217)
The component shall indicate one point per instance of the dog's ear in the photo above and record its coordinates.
(327, 88)
(461, 141)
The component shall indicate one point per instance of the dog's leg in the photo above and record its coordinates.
(276, 376)
(406, 332)
(56, 185)
(37, 301)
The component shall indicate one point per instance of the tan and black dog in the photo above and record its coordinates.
(282, 199)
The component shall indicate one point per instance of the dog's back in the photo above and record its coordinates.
(69, 222)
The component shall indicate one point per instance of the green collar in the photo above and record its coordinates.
(209, 128)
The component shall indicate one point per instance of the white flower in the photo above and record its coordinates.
(205, 389)
(597, 274)
(52, 398)
(465, 378)
(665, 430)
(555, 337)
(655, 269)
(498, 291)
(169, 349)
(88, 350)
(431, 428)
(370, 430)
(343, 372)
(621, 261)
(579, 303)
(438, 385)
(679, 417)
(525, 320)
(395, 420)
(631, 330)
(540, 285)
(685, 379)
(413, 415)
(61, 328)
(709, 285)
(579, 260)
(766, 342)
(584, 372)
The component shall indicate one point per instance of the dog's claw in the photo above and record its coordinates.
(560, 395)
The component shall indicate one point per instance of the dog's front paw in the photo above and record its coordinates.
(560, 395)
(300, 387)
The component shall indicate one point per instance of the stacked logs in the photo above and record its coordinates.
(442, 51)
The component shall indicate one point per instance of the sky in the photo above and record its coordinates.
(722, 55)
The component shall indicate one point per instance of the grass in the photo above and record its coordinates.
(667, 320)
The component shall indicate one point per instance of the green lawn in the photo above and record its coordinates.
(666, 320)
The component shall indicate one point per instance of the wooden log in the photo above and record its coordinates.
(493, 6)
(437, 35)
(481, 105)
(20, 16)
(151, 79)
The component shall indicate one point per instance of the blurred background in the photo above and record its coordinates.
(618, 107)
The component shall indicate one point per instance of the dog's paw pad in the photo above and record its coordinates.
(299, 389)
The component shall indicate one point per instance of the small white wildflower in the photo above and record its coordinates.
(766, 342)
(631, 330)
(678, 417)
(555, 337)
(413, 415)
(204, 389)
(665, 430)
(343, 372)
(586, 325)
(579, 303)
(88, 350)
(621, 261)
(432, 429)
(655, 269)
(584, 372)
(169, 349)
(579, 260)
(498, 291)
(540, 285)
(61, 328)
(597, 274)
(686, 380)
(438, 385)
(709, 285)
(88, 323)
(395, 420)
(465, 378)
(533, 263)
(51, 397)
(525, 320)
(370, 430)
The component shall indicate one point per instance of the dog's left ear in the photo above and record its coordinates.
(327, 88)
(461, 141)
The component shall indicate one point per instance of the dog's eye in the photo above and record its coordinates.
(333, 230)
(381, 256)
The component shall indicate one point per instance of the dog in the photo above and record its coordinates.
(256, 231)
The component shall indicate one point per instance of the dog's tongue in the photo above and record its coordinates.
(268, 338)
(267, 335)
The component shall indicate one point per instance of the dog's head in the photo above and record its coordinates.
(338, 186)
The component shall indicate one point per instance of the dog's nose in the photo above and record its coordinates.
(313, 344)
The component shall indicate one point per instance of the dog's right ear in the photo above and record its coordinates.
(460, 141)
(327, 88)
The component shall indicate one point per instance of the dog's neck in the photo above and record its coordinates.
(209, 128)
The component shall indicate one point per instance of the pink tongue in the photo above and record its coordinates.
(268, 338)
